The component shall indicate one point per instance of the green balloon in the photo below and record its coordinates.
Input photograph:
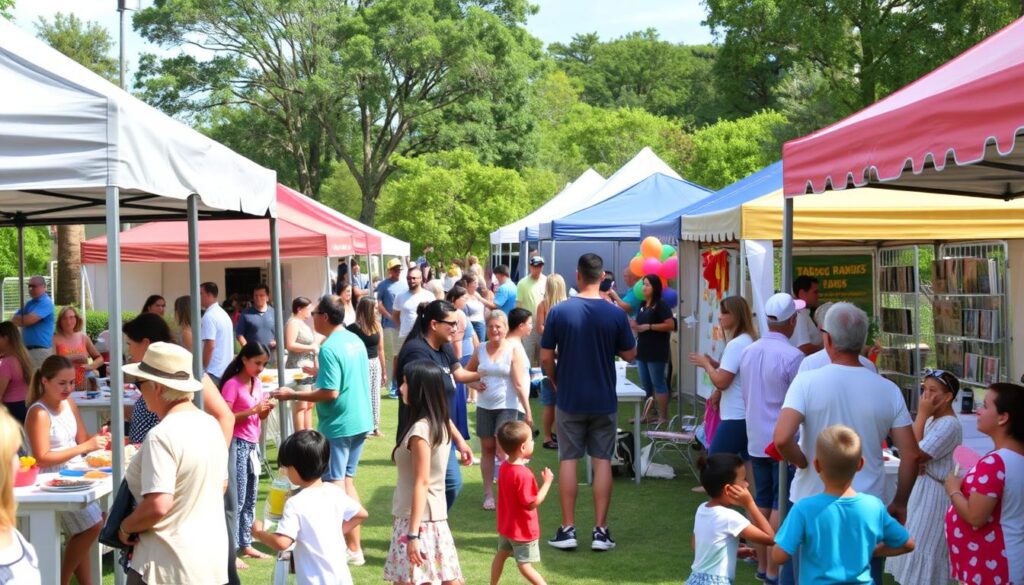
(638, 254)
(667, 252)
(638, 289)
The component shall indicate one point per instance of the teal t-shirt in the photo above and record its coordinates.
(837, 536)
(344, 367)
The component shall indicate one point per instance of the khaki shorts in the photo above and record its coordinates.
(522, 552)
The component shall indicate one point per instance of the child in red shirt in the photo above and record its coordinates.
(518, 499)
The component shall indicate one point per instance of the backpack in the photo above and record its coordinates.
(623, 456)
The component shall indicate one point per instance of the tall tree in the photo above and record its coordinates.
(729, 150)
(90, 45)
(363, 81)
(862, 49)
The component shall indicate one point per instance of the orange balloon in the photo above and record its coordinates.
(636, 266)
(651, 248)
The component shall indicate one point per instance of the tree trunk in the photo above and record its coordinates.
(369, 212)
(69, 263)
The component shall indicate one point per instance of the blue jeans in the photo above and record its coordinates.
(652, 377)
(452, 478)
(345, 453)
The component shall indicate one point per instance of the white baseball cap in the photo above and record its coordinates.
(780, 307)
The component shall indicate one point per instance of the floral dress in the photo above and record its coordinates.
(994, 553)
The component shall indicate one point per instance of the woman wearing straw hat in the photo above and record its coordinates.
(177, 478)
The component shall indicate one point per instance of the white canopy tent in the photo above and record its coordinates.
(568, 200)
(75, 149)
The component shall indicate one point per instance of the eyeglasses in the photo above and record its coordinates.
(452, 324)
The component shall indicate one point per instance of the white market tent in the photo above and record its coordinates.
(568, 200)
(75, 149)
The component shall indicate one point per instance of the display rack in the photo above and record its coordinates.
(904, 350)
(969, 286)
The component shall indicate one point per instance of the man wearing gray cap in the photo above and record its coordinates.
(767, 367)
(529, 293)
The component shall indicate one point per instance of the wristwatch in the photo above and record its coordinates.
(411, 536)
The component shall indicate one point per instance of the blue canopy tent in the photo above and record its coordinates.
(767, 180)
(616, 222)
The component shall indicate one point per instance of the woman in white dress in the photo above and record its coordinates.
(938, 431)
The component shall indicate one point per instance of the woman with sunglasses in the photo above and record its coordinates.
(431, 339)
(938, 432)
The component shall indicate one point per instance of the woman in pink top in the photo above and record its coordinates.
(243, 391)
(985, 520)
(71, 342)
(15, 369)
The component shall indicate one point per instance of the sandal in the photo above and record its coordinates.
(552, 444)
(489, 503)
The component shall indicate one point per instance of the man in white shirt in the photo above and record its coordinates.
(806, 335)
(767, 367)
(217, 331)
(845, 392)
(406, 304)
(820, 359)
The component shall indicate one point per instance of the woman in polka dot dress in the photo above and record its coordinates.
(985, 520)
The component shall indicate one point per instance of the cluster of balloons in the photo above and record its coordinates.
(657, 259)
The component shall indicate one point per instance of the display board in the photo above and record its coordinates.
(841, 277)
(720, 268)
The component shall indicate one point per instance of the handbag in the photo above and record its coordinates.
(124, 504)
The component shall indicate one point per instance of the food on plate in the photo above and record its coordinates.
(268, 377)
(27, 462)
(63, 482)
(99, 458)
(96, 474)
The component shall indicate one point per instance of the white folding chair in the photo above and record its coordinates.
(679, 434)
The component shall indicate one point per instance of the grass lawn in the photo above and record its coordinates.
(651, 524)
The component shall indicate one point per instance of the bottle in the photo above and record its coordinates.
(280, 490)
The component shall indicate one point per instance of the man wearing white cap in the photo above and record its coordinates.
(529, 293)
(768, 366)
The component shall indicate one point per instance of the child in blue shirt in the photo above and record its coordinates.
(837, 532)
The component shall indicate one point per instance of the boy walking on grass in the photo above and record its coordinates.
(837, 532)
(518, 500)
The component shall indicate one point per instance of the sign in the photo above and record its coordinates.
(847, 278)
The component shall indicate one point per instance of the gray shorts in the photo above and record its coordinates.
(522, 552)
(489, 421)
(585, 434)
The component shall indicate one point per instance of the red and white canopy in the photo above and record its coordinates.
(957, 130)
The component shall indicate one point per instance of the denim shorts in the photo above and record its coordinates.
(345, 452)
(547, 393)
(730, 437)
(489, 421)
(766, 476)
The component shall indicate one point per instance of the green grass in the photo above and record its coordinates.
(651, 523)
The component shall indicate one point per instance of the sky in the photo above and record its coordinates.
(557, 21)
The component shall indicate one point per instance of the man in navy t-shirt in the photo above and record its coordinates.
(587, 332)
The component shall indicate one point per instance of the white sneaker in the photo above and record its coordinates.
(356, 559)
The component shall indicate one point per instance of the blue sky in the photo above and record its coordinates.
(557, 21)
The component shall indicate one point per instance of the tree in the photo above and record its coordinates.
(364, 82)
(732, 149)
(862, 49)
(37, 251)
(89, 44)
(5, 8)
(451, 201)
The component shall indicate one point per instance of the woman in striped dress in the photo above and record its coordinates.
(938, 431)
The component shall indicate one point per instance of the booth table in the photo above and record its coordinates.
(39, 521)
(96, 411)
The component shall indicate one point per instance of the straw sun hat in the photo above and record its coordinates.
(166, 364)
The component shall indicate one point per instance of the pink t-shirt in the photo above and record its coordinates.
(10, 370)
(240, 397)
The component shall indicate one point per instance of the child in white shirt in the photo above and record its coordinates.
(717, 528)
(317, 518)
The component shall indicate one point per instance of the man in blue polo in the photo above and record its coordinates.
(36, 321)
(257, 324)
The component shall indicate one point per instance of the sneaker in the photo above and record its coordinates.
(565, 538)
(356, 559)
(601, 539)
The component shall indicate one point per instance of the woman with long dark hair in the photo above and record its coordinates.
(653, 326)
(367, 328)
(422, 548)
(154, 304)
(243, 391)
(15, 370)
(430, 339)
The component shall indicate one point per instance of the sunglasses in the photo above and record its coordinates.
(452, 324)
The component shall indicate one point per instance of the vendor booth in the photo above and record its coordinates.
(75, 149)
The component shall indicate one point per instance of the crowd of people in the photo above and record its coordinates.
(802, 391)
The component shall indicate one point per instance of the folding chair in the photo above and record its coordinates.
(679, 434)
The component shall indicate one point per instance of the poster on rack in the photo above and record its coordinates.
(841, 277)
(718, 280)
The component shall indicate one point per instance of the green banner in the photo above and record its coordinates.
(847, 278)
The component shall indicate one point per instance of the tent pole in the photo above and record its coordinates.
(21, 266)
(327, 283)
(787, 286)
(679, 336)
(284, 414)
(193, 286)
(115, 342)
(82, 281)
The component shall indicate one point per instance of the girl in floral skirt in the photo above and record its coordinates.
(422, 548)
